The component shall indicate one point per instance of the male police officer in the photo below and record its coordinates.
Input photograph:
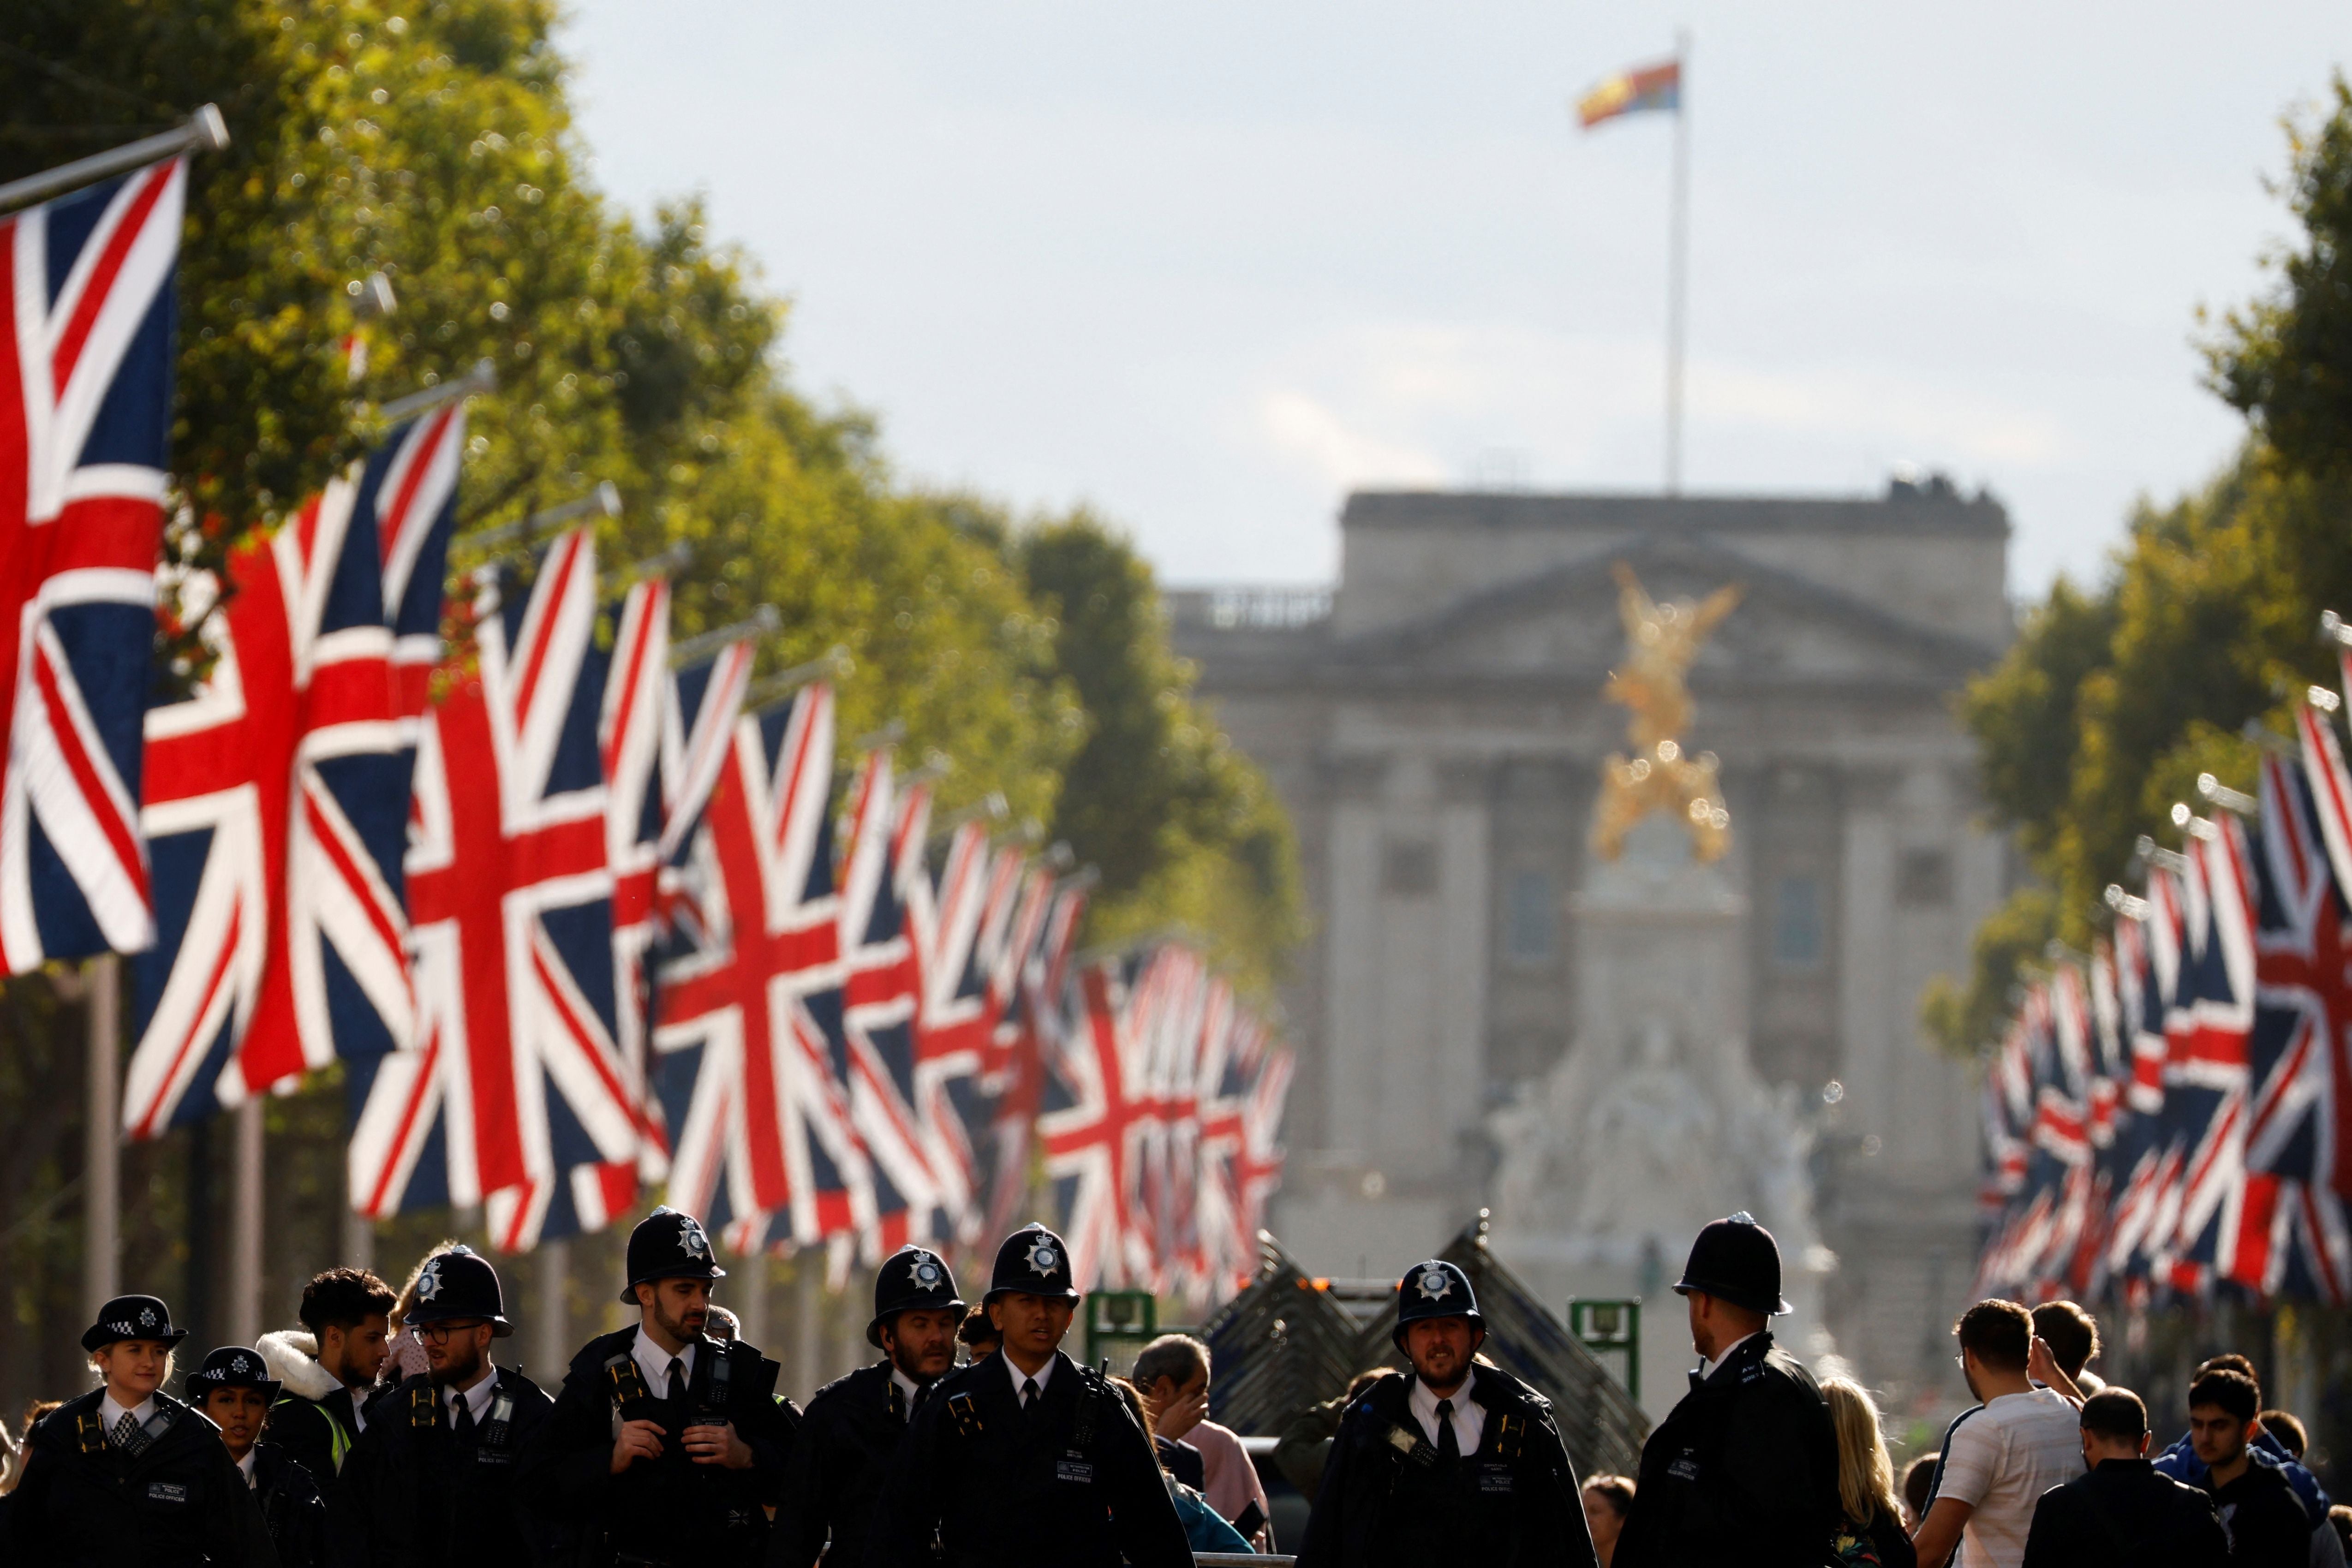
(668, 1447)
(841, 1455)
(1027, 1458)
(432, 1477)
(235, 1391)
(126, 1476)
(1458, 1461)
(1745, 1468)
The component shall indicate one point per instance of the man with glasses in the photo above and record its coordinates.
(432, 1477)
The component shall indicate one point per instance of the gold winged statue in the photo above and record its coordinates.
(1661, 642)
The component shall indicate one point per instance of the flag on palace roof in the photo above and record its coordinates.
(1658, 87)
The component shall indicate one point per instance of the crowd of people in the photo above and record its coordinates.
(386, 1433)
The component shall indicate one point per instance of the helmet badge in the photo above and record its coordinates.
(1433, 1285)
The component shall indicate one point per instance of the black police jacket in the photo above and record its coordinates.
(1071, 1483)
(291, 1508)
(669, 1509)
(2125, 1515)
(85, 1503)
(419, 1492)
(833, 1477)
(1743, 1470)
(1386, 1497)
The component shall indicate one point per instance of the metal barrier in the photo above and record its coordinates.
(1240, 1560)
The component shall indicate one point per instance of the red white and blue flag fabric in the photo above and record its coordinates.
(86, 341)
(1094, 1129)
(954, 1020)
(276, 805)
(1027, 975)
(882, 982)
(514, 1095)
(750, 1037)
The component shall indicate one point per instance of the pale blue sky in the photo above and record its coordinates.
(1208, 265)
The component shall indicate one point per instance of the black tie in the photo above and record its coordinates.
(1028, 1396)
(677, 1392)
(465, 1421)
(897, 1403)
(1449, 1447)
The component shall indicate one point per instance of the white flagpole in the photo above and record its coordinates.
(101, 1193)
(1678, 266)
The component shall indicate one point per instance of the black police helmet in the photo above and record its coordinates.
(669, 1245)
(232, 1366)
(458, 1284)
(1433, 1289)
(910, 1280)
(1737, 1261)
(1034, 1261)
(131, 1317)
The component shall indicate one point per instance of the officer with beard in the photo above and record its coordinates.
(668, 1446)
(432, 1477)
(1027, 1458)
(1456, 1461)
(235, 1391)
(1745, 1470)
(841, 1454)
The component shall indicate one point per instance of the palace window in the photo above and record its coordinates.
(1531, 918)
(1800, 925)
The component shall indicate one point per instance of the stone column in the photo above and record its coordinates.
(1456, 1078)
(1867, 1025)
(1352, 1031)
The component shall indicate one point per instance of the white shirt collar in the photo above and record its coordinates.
(1469, 1418)
(1708, 1369)
(111, 1413)
(1045, 1373)
(909, 1389)
(653, 1361)
(476, 1398)
(246, 1464)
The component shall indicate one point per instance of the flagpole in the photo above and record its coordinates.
(202, 131)
(101, 1191)
(243, 1314)
(1678, 266)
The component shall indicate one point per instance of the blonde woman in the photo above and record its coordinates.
(1872, 1531)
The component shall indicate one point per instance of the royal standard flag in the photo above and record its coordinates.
(1630, 92)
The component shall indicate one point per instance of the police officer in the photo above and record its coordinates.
(1456, 1461)
(1746, 1468)
(126, 1476)
(234, 1391)
(841, 1455)
(432, 1476)
(1027, 1458)
(668, 1446)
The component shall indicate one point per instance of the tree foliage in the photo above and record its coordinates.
(2114, 698)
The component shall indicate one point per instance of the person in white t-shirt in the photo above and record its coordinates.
(1998, 1462)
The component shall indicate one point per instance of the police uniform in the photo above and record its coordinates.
(1745, 1468)
(160, 1493)
(292, 1508)
(669, 1509)
(431, 1478)
(1069, 1479)
(1402, 1486)
(841, 1455)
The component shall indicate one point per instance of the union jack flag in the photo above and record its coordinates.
(85, 420)
(2298, 1166)
(882, 984)
(2206, 1100)
(1030, 968)
(1096, 1118)
(276, 795)
(954, 1021)
(750, 1022)
(515, 1095)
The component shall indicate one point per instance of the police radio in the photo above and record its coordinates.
(492, 1449)
(710, 1410)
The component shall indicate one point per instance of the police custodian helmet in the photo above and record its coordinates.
(669, 1245)
(233, 1366)
(1433, 1289)
(911, 1280)
(132, 1317)
(459, 1283)
(1032, 1261)
(1737, 1261)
